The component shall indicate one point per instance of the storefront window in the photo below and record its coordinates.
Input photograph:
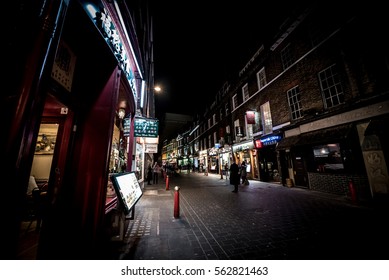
(328, 158)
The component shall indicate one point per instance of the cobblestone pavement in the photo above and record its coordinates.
(261, 221)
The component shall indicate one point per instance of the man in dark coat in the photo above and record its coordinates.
(234, 176)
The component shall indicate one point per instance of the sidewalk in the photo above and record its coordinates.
(261, 221)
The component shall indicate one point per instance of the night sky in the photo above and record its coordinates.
(198, 44)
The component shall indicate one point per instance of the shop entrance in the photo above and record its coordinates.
(300, 173)
(45, 176)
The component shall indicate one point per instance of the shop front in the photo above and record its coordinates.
(267, 157)
(244, 151)
(82, 94)
(203, 161)
(213, 160)
(225, 159)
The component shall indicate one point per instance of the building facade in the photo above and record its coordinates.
(309, 107)
(74, 91)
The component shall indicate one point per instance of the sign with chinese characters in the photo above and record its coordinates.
(64, 66)
(266, 141)
(105, 23)
(145, 127)
(126, 127)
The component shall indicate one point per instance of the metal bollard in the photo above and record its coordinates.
(353, 192)
(176, 202)
(167, 182)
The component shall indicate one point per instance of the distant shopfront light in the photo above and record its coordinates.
(121, 113)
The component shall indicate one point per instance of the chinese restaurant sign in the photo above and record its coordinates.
(126, 127)
(146, 127)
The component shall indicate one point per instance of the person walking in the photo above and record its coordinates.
(234, 176)
(226, 170)
(156, 172)
(149, 175)
(243, 172)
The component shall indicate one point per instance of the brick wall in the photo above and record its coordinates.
(339, 184)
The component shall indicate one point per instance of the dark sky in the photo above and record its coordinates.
(197, 44)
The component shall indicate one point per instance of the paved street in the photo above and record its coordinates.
(261, 221)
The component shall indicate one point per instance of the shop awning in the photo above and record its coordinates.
(321, 136)
(331, 134)
(286, 143)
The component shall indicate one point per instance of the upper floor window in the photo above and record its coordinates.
(261, 78)
(294, 100)
(245, 92)
(221, 113)
(286, 57)
(317, 35)
(249, 128)
(214, 119)
(331, 87)
(209, 123)
(227, 108)
(267, 122)
(234, 101)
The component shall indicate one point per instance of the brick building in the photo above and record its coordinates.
(309, 107)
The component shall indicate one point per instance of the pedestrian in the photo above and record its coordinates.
(243, 172)
(156, 172)
(149, 175)
(226, 170)
(234, 176)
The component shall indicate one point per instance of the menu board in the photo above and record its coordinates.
(127, 189)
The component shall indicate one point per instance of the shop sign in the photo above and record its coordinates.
(126, 127)
(145, 127)
(64, 65)
(266, 141)
(151, 148)
(250, 117)
(103, 20)
(243, 147)
(258, 144)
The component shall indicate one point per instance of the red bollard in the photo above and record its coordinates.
(176, 202)
(352, 190)
(167, 182)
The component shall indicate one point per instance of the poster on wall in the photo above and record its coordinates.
(127, 189)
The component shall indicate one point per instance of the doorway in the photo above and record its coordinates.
(41, 183)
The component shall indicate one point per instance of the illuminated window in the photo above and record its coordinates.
(267, 122)
(328, 158)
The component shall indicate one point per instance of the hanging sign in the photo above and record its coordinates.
(250, 117)
(151, 148)
(144, 127)
(126, 127)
